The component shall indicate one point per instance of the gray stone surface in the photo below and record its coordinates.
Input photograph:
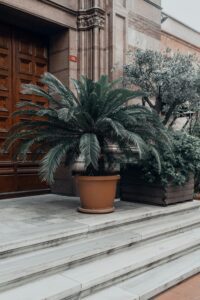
(33, 219)
(25, 265)
(113, 293)
(52, 288)
(115, 267)
(81, 253)
(84, 279)
(155, 281)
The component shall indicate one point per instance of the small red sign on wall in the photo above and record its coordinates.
(73, 58)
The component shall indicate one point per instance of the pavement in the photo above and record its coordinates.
(187, 290)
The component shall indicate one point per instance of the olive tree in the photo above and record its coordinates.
(170, 81)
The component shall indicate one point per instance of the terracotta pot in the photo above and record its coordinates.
(97, 193)
(197, 196)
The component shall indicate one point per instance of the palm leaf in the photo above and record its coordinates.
(90, 149)
(65, 114)
(72, 125)
(28, 104)
(52, 160)
(56, 86)
(156, 154)
(31, 89)
(117, 98)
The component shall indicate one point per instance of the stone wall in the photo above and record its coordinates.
(179, 36)
(43, 10)
(144, 24)
(176, 44)
(133, 23)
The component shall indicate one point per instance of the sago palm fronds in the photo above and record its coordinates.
(82, 125)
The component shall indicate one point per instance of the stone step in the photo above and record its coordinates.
(105, 271)
(26, 266)
(153, 282)
(58, 234)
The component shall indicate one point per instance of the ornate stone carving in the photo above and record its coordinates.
(91, 18)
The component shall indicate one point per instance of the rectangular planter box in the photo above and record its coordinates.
(133, 189)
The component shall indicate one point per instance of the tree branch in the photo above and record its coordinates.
(158, 104)
(173, 121)
(169, 113)
(147, 100)
(186, 123)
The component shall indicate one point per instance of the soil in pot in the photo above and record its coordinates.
(97, 193)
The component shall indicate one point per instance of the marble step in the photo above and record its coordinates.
(153, 282)
(84, 279)
(59, 234)
(26, 266)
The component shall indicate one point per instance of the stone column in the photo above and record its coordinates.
(91, 40)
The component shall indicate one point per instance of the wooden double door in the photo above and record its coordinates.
(23, 58)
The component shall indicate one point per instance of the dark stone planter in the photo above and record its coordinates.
(134, 189)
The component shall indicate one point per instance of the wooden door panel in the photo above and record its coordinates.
(23, 59)
(7, 182)
(31, 62)
(27, 176)
(5, 86)
(4, 59)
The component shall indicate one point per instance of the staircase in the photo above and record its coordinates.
(134, 256)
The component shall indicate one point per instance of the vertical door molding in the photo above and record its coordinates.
(91, 43)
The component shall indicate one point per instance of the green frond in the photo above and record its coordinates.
(47, 112)
(134, 139)
(82, 125)
(22, 150)
(57, 87)
(109, 124)
(40, 113)
(157, 157)
(28, 104)
(117, 98)
(90, 149)
(52, 160)
(124, 118)
(14, 138)
(106, 85)
(31, 89)
(84, 88)
(65, 114)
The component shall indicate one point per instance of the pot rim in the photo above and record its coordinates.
(98, 178)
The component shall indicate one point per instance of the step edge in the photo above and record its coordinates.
(88, 256)
(11, 250)
(85, 291)
(136, 295)
(155, 290)
(132, 270)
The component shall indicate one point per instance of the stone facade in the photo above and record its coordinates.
(179, 36)
(98, 32)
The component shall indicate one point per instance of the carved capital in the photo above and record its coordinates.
(91, 18)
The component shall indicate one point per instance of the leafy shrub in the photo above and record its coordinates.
(176, 165)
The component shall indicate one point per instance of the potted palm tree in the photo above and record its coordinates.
(90, 125)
